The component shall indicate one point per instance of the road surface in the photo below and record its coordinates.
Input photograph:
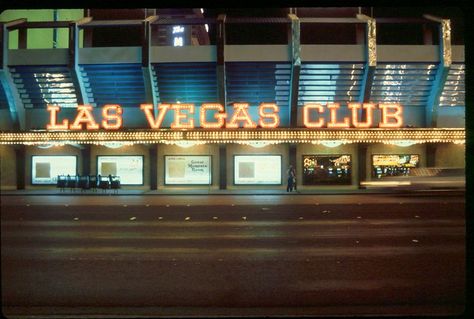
(119, 256)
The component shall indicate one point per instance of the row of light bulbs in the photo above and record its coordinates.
(279, 136)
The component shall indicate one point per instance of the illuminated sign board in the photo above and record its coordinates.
(45, 169)
(128, 168)
(178, 36)
(327, 170)
(257, 169)
(390, 114)
(187, 170)
(393, 164)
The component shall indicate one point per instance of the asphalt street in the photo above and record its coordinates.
(149, 256)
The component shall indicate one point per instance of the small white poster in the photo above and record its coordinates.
(257, 169)
(128, 168)
(187, 170)
(45, 169)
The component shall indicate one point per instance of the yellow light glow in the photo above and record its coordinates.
(241, 114)
(307, 118)
(84, 116)
(148, 109)
(333, 107)
(396, 115)
(372, 135)
(112, 112)
(273, 116)
(179, 116)
(219, 116)
(53, 111)
(355, 107)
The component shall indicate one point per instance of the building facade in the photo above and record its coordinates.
(188, 114)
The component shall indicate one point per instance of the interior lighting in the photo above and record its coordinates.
(258, 144)
(116, 144)
(187, 144)
(333, 143)
(402, 143)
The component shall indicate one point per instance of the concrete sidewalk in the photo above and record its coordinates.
(176, 192)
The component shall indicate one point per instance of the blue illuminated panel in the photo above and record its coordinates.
(454, 91)
(39, 86)
(409, 84)
(186, 83)
(120, 83)
(323, 83)
(259, 82)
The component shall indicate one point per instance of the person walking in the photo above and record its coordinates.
(291, 179)
(294, 178)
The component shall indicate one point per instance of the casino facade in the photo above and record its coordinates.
(180, 112)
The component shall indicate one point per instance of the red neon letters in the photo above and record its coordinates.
(213, 116)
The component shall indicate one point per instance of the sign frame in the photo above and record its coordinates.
(398, 154)
(54, 155)
(125, 155)
(211, 180)
(259, 155)
(327, 155)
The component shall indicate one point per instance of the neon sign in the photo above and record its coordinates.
(313, 116)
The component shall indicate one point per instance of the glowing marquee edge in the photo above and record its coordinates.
(391, 116)
(275, 136)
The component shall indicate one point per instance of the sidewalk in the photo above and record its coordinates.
(204, 192)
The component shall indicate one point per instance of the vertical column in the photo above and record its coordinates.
(15, 104)
(292, 155)
(149, 80)
(222, 166)
(438, 85)
(86, 160)
(87, 31)
(432, 106)
(20, 156)
(430, 154)
(22, 38)
(153, 167)
(362, 163)
(371, 62)
(76, 75)
(73, 64)
(292, 161)
(221, 79)
(221, 94)
(369, 72)
(55, 30)
(295, 47)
